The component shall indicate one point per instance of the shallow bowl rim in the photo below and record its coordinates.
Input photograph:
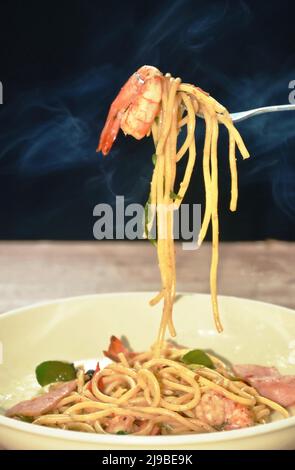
(183, 439)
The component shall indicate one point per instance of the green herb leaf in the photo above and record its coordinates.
(197, 356)
(154, 158)
(174, 195)
(123, 433)
(146, 210)
(235, 378)
(146, 216)
(54, 371)
(146, 221)
(26, 419)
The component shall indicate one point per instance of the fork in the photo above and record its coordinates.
(237, 117)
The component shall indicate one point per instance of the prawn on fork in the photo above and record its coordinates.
(135, 107)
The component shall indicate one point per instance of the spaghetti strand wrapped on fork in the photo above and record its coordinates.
(150, 102)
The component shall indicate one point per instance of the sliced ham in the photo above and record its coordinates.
(279, 389)
(252, 370)
(269, 382)
(44, 403)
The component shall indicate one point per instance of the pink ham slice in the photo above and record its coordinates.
(44, 403)
(269, 382)
(246, 371)
(281, 389)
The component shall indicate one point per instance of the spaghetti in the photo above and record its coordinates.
(160, 391)
(143, 395)
(163, 105)
(179, 99)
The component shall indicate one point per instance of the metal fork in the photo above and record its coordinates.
(236, 117)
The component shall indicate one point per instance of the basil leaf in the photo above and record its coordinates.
(122, 433)
(54, 371)
(234, 378)
(197, 356)
(146, 221)
(146, 212)
(154, 158)
(26, 419)
(174, 195)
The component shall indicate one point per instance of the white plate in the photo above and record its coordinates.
(79, 328)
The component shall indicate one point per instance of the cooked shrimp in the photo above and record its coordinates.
(116, 347)
(120, 424)
(221, 412)
(135, 107)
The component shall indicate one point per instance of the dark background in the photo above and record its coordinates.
(62, 63)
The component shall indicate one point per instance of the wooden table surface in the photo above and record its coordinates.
(38, 271)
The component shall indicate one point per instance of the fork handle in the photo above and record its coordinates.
(236, 117)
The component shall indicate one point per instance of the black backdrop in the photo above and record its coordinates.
(62, 62)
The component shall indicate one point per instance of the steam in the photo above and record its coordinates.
(52, 133)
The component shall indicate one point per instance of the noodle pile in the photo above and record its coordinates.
(144, 395)
(157, 392)
(180, 104)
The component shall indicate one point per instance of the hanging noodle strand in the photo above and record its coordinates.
(181, 103)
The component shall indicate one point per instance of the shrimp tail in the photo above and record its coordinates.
(109, 134)
(115, 347)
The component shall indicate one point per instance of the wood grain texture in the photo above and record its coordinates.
(39, 271)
